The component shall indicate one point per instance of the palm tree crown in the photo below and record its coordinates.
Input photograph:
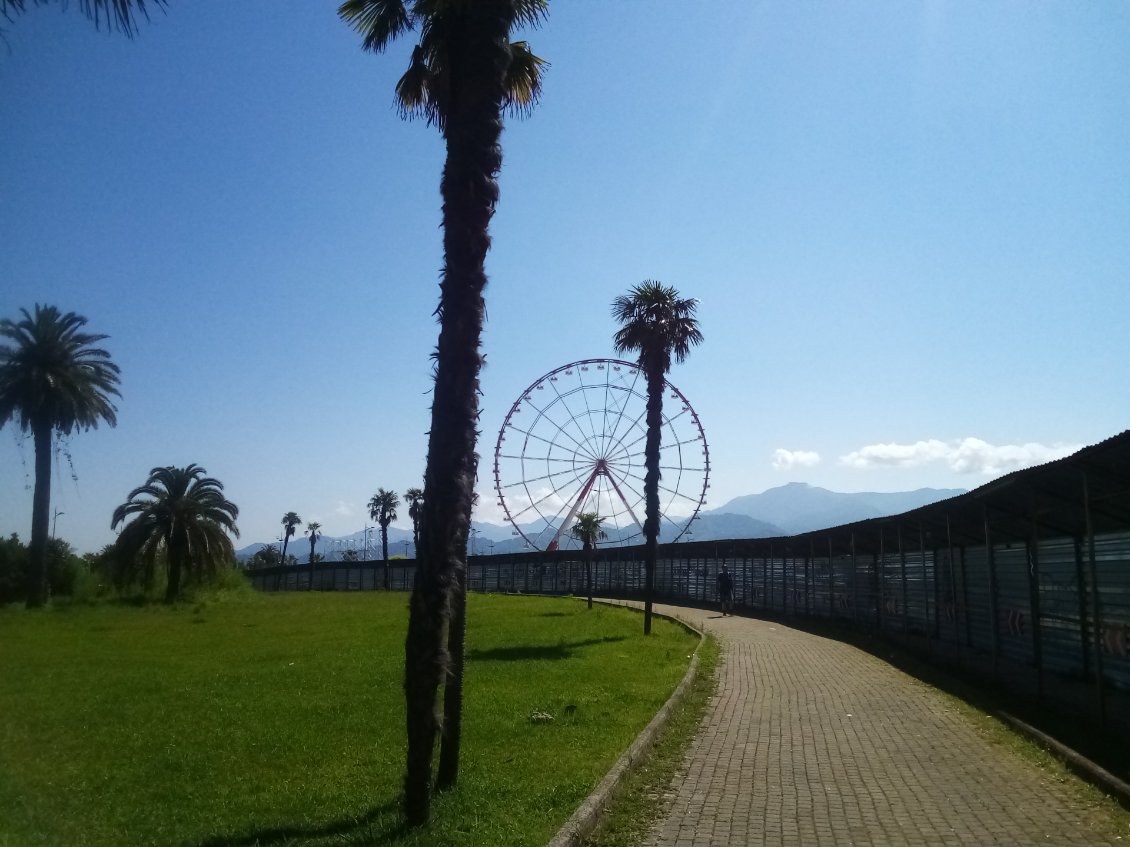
(382, 506)
(51, 374)
(182, 513)
(588, 529)
(52, 378)
(429, 87)
(657, 324)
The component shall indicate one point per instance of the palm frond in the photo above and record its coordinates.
(122, 15)
(378, 21)
(523, 79)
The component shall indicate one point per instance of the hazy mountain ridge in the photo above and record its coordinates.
(785, 510)
(799, 507)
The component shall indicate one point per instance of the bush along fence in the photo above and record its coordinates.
(1026, 579)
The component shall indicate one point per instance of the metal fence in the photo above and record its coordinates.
(1026, 580)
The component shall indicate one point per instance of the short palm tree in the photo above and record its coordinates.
(660, 326)
(414, 497)
(182, 514)
(464, 72)
(119, 14)
(313, 532)
(382, 509)
(290, 522)
(588, 531)
(52, 379)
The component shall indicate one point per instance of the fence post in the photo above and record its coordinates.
(902, 577)
(926, 586)
(878, 579)
(831, 581)
(993, 613)
(1096, 603)
(953, 587)
(1034, 602)
(854, 584)
(1081, 596)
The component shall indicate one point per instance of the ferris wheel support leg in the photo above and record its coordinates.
(573, 510)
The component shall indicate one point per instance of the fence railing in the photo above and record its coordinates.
(1026, 580)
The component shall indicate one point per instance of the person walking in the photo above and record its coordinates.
(726, 591)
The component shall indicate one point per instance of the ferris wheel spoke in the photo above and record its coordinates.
(620, 418)
(556, 445)
(521, 458)
(549, 477)
(588, 408)
(572, 416)
(551, 422)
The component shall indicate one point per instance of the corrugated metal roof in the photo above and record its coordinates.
(1088, 491)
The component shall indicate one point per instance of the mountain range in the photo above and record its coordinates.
(785, 510)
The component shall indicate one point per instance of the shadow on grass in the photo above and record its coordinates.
(554, 615)
(380, 825)
(525, 652)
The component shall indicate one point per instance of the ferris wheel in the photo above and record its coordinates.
(573, 442)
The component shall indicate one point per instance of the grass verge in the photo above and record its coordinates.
(643, 796)
(278, 720)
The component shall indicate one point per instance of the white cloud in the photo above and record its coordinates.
(968, 456)
(784, 460)
(344, 509)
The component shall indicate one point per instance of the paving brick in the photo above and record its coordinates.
(809, 741)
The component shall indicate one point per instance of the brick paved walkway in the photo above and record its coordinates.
(812, 742)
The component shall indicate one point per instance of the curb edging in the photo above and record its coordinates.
(585, 819)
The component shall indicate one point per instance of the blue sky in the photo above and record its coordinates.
(906, 224)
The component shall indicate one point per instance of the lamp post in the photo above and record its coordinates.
(55, 521)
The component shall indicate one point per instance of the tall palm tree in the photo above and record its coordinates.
(52, 379)
(382, 509)
(119, 14)
(659, 325)
(464, 72)
(588, 531)
(182, 513)
(313, 532)
(290, 522)
(414, 497)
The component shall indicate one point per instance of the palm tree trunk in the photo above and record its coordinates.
(384, 553)
(651, 488)
(588, 570)
(450, 743)
(313, 541)
(176, 565)
(40, 509)
(478, 60)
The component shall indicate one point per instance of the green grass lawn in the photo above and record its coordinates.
(279, 720)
